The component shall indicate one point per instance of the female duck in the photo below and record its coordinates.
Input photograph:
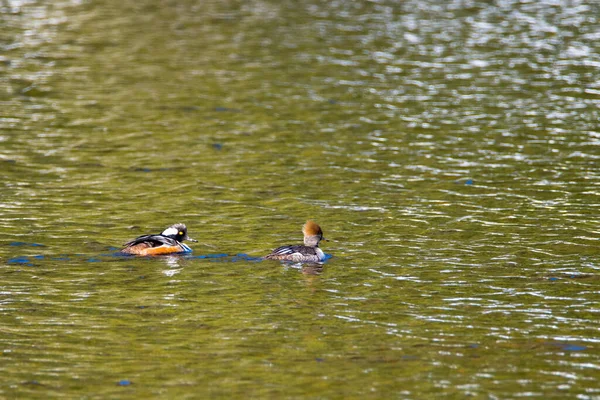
(309, 252)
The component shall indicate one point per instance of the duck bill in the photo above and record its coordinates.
(191, 240)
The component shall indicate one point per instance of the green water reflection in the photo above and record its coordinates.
(448, 149)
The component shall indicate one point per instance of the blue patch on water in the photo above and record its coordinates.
(20, 260)
(235, 258)
(552, 279)
(115, 254)
(124, 382)
(204, 256)
(124, 255)
(217, 146)
(93, 259)
(573, 347)
(221, 255)
(25, 244)
(245, 257)
(463, 181)
(39, 257)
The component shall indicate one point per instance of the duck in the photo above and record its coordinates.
(169, 241)
(308, 252)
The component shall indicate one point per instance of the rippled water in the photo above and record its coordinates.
(450, 150)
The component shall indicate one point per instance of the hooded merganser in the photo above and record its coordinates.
(168, 242)
(309, 252)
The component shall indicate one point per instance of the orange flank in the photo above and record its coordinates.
(144, 250)
(155, 251)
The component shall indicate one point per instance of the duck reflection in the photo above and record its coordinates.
(306, 268)
(312, 269)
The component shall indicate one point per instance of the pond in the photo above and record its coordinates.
(449, 150)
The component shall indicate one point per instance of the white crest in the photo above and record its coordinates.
(170, 231)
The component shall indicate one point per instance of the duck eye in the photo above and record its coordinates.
(181, 233)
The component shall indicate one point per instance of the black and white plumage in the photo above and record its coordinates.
(297, 253)
(152, 241)
(167, 242)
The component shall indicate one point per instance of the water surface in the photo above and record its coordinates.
(449, 150)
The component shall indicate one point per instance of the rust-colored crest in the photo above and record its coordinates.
(311, 229)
